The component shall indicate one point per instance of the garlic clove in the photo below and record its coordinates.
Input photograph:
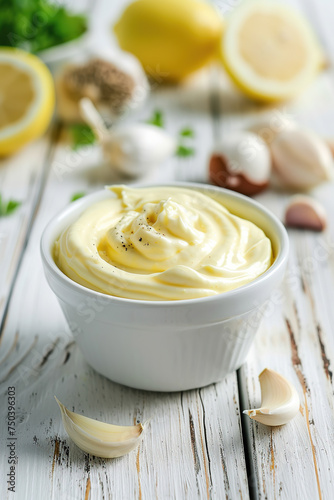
(98, 438)
(132, 149)
(241, 162)
(301, 159)
(270, 125)
(306, 213)
(135, 149)
(279, 400)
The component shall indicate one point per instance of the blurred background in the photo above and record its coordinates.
(255, 68)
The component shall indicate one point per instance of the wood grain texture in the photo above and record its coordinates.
(21, 179)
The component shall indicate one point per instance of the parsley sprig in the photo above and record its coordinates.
(36, 25)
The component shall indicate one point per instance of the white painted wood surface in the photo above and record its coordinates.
(194, 447)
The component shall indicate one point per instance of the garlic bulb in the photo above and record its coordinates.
(100, 439)
(131, 149)
(270, 125)
(306, 213)
(279, 400)
(241, 162)
(113, 79)
(301, 159)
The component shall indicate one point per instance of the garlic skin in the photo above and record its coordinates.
(279, 400)
(330, 144)
(100, 439)
(305, 213)
(301, 159)
(132, 150)
(241, 162)
(270, 125)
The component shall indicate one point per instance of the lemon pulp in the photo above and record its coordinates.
(26, 99)
(272, 46)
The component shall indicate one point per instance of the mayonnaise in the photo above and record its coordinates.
(161, 243)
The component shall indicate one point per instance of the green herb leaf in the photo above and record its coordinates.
(156, 119)
(36, 25)
(12, 205)
(187, 132)
(184, 151)
(82, 135)
(7, 208)
(77, 196)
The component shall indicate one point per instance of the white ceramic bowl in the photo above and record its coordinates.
(167, 345)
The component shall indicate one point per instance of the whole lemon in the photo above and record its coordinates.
(171, 38)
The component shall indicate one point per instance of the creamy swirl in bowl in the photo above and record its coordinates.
(161, 243)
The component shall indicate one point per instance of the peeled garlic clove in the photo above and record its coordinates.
(132, 149)
(279, 400)
(301, 159)
(241, 162)
(100, 439)
(273, 123)
(135, 149)
(306, 213)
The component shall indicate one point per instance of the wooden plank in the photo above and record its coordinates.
(193, 447)
(21, 179)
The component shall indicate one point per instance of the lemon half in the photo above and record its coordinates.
(26, 99)
(269, 50)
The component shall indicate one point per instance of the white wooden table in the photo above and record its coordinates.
(198, 444)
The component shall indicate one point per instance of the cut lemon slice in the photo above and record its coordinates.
(269, 50)
(26, 99)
